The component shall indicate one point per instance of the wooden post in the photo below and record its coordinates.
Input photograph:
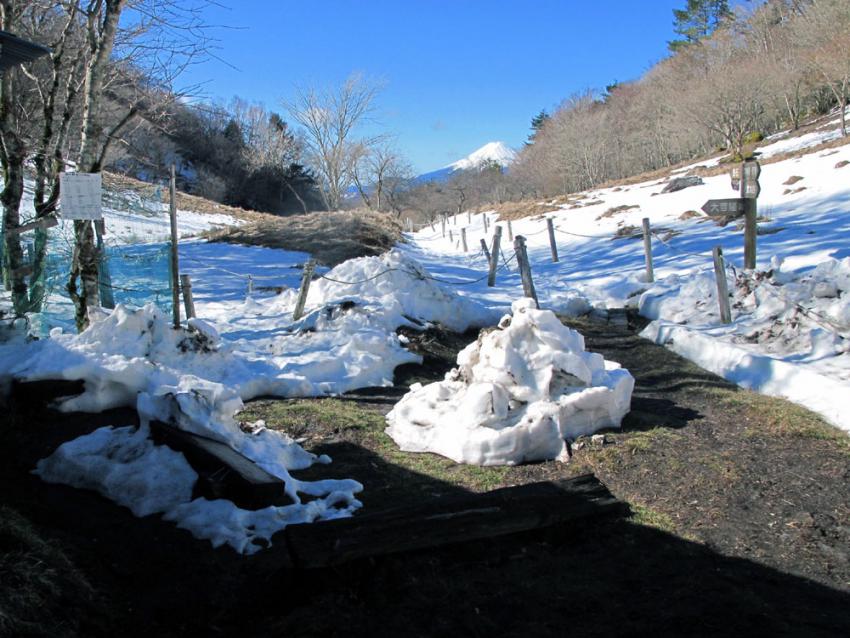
(188, 301)
(463, 239)
(750, 214)
(432, 225)
(455, 216)
(525, 269)
(485, 249)
(552, 245)
(306, 277)
(510, 231)
(451, 236)
(484, 215)
(722, 287)
(250, 284)
(443, 224)
(647, 250)
(468, 216)
(175, 266)
(494, 256)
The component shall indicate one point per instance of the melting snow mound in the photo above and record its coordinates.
(517, 394)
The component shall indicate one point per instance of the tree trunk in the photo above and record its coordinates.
(84, 266)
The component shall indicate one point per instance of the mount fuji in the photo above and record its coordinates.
(491, 152)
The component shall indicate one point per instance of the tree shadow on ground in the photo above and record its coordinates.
(592, 577)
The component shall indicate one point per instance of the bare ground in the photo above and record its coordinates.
(741, 526)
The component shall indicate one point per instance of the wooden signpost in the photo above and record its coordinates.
(750, 189)
(724, 207)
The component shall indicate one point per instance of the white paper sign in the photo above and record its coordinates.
(80, 195)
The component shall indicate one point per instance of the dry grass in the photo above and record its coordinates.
(41, 592)
(115, 181)
(330, 237)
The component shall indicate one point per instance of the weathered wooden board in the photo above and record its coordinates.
(445, 521)
(223, 472)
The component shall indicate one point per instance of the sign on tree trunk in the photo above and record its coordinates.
(80, 196)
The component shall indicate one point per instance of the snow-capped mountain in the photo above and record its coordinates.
(491, 152)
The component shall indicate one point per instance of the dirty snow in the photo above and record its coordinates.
(517, 395)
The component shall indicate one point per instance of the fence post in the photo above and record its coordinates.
(443, 224)
(525, 269)
(306, 277)
(175, 283)
(188, 301)
(463, 239)
(552, 245)
(486, 228)
(451, 236)
(722, 287)
(494, 256)
(485, 249)
(510, 231)
(468, 216)
(647, 250)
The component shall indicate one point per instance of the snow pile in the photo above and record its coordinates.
(517, 394)
(789, 336)
(125, 466)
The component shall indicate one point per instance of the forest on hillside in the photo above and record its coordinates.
(730, 79)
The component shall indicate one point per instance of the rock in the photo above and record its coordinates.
(681, 183)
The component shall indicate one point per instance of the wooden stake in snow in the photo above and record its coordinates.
(647, 249)
(722, 287)
(525, 269)
(188, 301)
(463, 239)
(486, 227)
(451, 236)
(494, 256)
(552, 245)
(469, 217)
(443, 224)
(306, 277)
(485, 249)
(510, 231)
(175, 266)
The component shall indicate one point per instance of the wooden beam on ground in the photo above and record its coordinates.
(223, 472)
(451, 520)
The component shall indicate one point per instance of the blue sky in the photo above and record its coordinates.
(458, 74)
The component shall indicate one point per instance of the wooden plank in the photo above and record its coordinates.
(224, 473)
(451, 520)
(44, 222)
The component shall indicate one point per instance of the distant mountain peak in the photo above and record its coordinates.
(497, 152)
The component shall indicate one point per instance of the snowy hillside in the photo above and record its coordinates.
(491, 152)
(790, 319)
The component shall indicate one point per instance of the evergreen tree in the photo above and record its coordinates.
(537, 123)
(698, 20)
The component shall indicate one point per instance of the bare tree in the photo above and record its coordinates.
(824, 30)
(378, 173)
(329, 118)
